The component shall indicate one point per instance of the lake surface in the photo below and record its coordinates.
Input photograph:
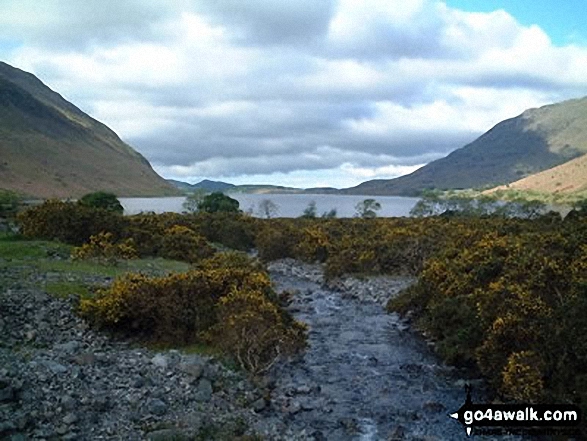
(288, 205)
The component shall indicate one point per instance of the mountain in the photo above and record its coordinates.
(206, 184)
(534, 141)
(210, 186)
(50, 148)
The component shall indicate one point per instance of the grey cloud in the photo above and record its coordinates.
(272, 22)
(67, 25)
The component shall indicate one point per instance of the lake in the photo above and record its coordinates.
(288, 205)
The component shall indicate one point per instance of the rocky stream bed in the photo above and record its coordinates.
(365, 375)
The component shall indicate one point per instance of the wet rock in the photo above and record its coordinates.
(433, 406)
(157, 407)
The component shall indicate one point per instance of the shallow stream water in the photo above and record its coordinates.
(365, 375)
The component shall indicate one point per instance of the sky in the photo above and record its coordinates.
(305, 93)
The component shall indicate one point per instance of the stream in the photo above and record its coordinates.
(365, 374)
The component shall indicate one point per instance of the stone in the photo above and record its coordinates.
(54, 367)
(259, 405)
(204, 390)
(433, 406)
(194, 370)
(70, 347)
(85, 359)
(166, 435)
(160, 361)
(7, 394)
(157, 407)
(70, 418)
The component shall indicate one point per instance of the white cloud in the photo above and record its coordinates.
(344, 90)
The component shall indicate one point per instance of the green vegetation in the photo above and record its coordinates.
(218, 203)
(268, 208)
(310, 211)
(102, 199)
(505, 295)
(367, 209)
(9, 203)
(193, 200)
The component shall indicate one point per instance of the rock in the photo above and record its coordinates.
(62, 430)
(204, 390)
(259, 405)
(293, 407)
(70, 347)
(397, 434)
(70, 418)
(194, 370)
(160, 361)
(433, 406)
(157, 407)
(85, 359)
(55, 367)
(7, 394)
(166, 435)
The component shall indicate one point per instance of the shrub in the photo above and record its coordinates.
(176, 308)
(218, 202)
(102, 248)
(68, 222)
(277, 240)
(102, 199)
(522, 379)
(182, 243)
(251, 328)
(9, 203)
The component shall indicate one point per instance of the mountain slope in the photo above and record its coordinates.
(534, 141)
(567, 178)
(50, 148)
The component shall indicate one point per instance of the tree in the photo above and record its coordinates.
(9, 202)
(329, 214)
(102, 199)
(310, 211)
(367, 209)
(218, 202)
(193, 200)
(268, 208)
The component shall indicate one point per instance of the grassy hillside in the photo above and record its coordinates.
(566, 182)
(534, 141)
(50, 148)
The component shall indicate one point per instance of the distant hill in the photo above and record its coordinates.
(231, 188)
(50, 148)
(202, 185)
(534, 141)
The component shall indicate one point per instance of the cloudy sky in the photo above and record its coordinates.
(299, 92)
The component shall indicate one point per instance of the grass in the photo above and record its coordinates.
(63, 290)
(28, 258)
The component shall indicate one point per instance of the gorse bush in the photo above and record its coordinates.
(231, 306)
(252, 329)
(102, 248)
(68, 222)
(182, 243)
(507, 300)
